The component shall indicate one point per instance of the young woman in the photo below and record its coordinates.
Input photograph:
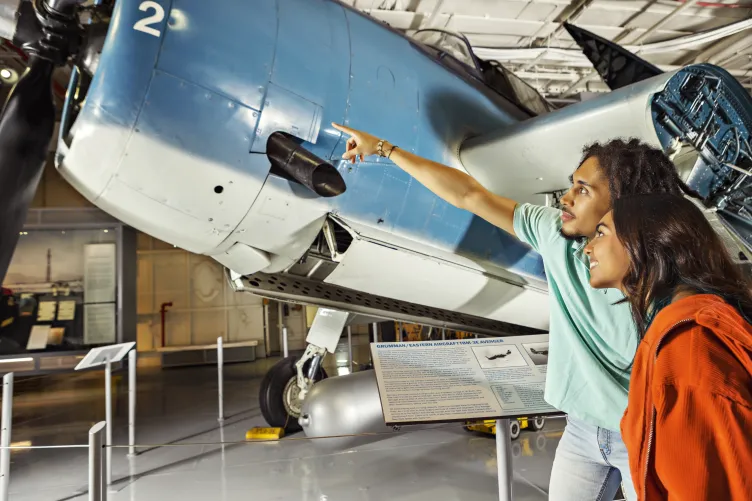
(688, 425)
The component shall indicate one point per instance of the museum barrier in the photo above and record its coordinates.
(100, 446)
(100, 436)
(100, 481)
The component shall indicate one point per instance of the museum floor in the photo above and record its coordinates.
(178, 407)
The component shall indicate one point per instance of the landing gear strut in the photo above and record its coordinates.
(288, 382)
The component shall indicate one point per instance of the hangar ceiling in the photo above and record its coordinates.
(528, 37)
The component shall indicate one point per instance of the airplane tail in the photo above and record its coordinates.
(617, 66)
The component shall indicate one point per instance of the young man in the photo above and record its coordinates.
(592, 342)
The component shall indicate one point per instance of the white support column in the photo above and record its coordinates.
(267, 330)
(220, 378)
(285, 352)
(108, 420)
(7, 424)
(132, 367)
(375, 332)
(349, 347)
(504, 459)
(282, 329)
(443, 334)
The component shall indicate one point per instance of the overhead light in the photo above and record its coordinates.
(106, 231)
(5, 73)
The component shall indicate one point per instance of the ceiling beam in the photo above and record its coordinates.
(571, 13)
(660, 24)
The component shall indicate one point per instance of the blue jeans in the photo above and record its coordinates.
(590, 464)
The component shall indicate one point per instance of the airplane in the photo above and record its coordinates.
(537, 352)
(208, 125)
(500, 355)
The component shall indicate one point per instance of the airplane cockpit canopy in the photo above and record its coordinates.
(454, 51)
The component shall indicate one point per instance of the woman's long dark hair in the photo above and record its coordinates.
(672, 246)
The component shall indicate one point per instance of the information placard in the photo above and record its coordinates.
(99, 323)
(100, 356)
(100, 273)
(439, 381)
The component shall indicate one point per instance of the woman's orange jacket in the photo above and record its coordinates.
(688, 425)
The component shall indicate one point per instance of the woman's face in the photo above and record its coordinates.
(609, 261)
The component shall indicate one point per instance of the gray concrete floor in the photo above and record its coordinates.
(177, 420)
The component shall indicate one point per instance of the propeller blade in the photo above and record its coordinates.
(26, 128)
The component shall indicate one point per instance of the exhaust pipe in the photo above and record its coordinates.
(290, 160)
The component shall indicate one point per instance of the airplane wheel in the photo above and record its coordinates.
(514, 429)
(278, 396)
(538, 423)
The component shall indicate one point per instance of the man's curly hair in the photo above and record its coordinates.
(636, 168)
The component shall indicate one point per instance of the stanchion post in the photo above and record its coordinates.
(108, 420)
(221, 385)
(282, 328)
(7, 424)
(504, 459)
(132, 367)
(97, 487)
(284, 341)
(349, 347)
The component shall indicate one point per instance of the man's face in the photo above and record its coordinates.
(586, 202)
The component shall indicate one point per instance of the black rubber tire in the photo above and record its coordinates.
(271, 394)
(514, 429)
(537, 423)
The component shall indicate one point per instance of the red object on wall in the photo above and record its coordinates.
(163, 313)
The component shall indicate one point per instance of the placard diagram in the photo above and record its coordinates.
(440, 381)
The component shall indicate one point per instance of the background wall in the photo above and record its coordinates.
(204, 306)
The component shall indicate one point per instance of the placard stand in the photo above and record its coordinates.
(465, 380)
(504, 459)
(106, 355)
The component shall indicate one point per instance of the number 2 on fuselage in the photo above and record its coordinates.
(144, 24)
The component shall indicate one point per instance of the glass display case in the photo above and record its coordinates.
(70, 287)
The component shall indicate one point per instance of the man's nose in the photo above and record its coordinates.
(567, 199)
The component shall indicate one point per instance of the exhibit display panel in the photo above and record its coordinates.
(64, 290)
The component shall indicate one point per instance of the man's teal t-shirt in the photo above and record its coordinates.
(592, 342)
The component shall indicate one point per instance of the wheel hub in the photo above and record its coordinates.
(291, 398)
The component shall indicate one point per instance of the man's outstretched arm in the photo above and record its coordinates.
(454, 186)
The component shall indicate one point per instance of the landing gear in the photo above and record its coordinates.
(288, 382)
(280, 394)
